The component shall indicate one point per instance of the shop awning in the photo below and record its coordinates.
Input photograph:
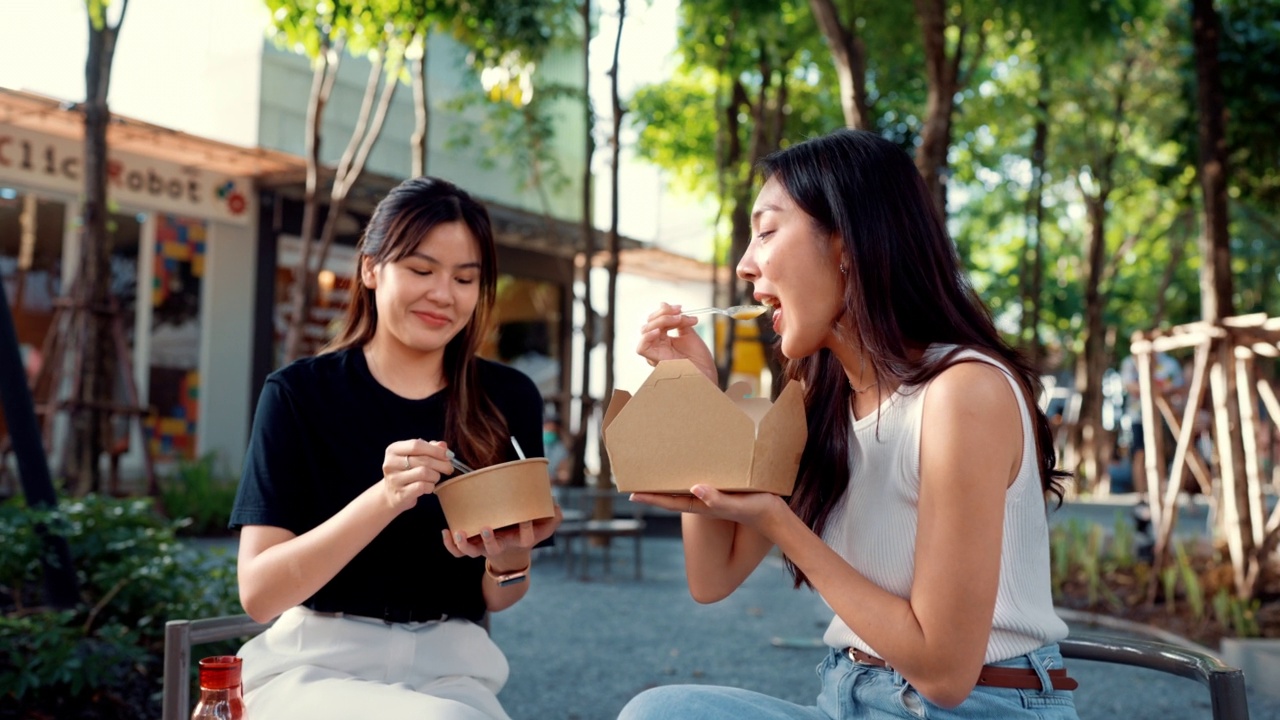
(40, 113)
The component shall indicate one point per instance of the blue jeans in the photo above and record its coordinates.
(852, 690)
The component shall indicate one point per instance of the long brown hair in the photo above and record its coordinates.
(474, 427)
(904, 290)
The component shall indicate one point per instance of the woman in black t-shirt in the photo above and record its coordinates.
(342, 537)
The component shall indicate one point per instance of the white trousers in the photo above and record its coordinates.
(312, 666)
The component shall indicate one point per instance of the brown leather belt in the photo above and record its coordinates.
(991, 675)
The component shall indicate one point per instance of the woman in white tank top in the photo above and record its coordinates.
(919, 512)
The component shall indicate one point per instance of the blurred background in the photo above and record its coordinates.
(183, 183)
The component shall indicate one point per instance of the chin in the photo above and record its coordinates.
(794, 349)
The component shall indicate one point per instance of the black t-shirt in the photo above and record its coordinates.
(320, 433)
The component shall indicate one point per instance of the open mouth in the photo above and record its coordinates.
(775, 308)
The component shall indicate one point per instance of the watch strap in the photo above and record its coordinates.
(508, 577)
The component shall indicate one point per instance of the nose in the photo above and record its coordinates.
(438, 289)
(747, 268)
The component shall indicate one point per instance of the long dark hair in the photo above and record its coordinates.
(904, 290)
(474, 427)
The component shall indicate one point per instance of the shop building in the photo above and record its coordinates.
(183, 218)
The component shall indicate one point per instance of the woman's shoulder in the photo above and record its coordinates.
(973, 386)
(512, 390)
(307, 373)
(495, 375)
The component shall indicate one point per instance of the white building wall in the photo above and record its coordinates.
(226, 343)
(286, 85)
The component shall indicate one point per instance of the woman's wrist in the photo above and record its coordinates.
(775, 519)
(509, 562)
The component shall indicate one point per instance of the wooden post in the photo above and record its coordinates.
(1235, 492)
(1184, 450)
(1152, 437)
(1249, 439)
(1193, 461)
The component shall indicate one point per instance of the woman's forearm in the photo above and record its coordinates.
(719, 555)
(278, 570)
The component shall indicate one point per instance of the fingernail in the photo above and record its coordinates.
(487, 532)
(698, 491)
(632, 496)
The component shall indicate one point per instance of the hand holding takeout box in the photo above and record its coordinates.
(680, 430)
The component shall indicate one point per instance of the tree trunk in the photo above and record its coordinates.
(322, 79)
(849, 54)
(615, 146)
(1176, 249)
(739, 218)
(1215, 244)
(1034, 287)
(585, 404)
(1216, 296)
(941, 72)
(1089, 365)
(420, 141)
(351, 166)
(91, 292)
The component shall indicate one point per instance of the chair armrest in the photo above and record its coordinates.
(1225, 683)
(182, 635)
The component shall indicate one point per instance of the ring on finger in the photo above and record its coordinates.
(407, 466)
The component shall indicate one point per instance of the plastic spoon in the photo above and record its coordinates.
(737, 312)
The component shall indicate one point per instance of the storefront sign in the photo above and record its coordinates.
(47, 162)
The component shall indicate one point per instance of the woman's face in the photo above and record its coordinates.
(795, 270)
(428, 297)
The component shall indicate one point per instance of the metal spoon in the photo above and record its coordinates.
(458, 464)
(737, 312)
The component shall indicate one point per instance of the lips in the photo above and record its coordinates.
(775, 305)
(434, 320)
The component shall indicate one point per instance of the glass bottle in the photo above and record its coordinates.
(221, 692)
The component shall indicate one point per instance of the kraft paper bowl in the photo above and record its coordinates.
(497, 496)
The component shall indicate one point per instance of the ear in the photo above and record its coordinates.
(835, 250)
(368, 272)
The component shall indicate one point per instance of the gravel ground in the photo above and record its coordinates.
(580, 649)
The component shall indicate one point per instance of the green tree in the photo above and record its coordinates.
(752, 75)
(505, 36)
(93, 392)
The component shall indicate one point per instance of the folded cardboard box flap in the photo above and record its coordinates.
(679, 430)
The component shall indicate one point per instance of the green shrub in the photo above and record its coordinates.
(199, 496)
(102, 658)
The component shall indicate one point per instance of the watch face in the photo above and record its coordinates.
(512, 579)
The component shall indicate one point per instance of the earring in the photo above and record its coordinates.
(842, 268)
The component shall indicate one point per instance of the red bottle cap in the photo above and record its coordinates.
(220, 672)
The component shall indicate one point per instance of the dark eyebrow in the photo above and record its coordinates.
(755, 214)
(433, 261)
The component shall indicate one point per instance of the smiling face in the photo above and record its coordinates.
(429, 296)
(794, 268)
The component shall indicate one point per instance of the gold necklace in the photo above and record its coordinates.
(856, 390)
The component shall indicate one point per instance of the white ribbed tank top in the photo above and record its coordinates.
(873, 526)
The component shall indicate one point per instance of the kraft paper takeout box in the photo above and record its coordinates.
(680, 430)
(497, 496)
